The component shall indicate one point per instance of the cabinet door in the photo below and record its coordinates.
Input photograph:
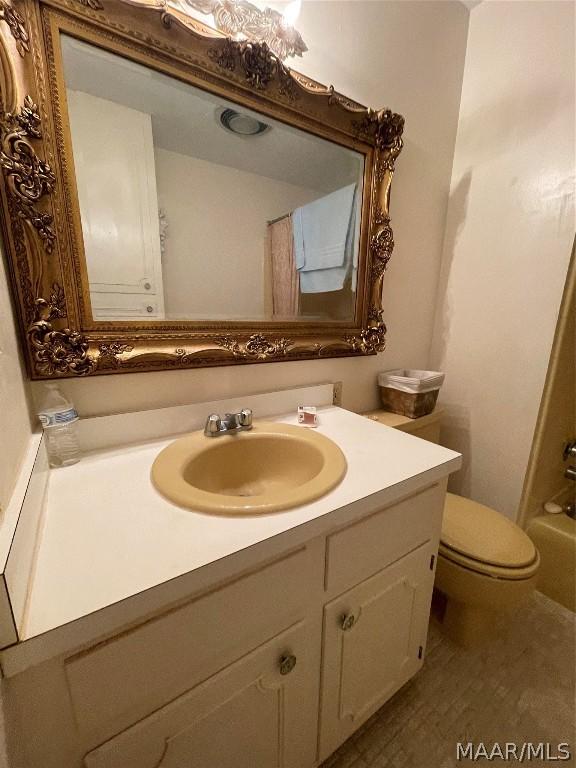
(374, 638)
(261, 711)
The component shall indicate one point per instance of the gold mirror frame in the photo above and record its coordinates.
(41, 221)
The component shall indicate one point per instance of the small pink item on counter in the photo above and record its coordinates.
(307, 415)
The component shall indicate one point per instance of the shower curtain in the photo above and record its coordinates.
(285, 278)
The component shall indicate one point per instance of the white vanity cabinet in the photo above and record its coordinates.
(374, 639)
(273, 668)
(260, 711)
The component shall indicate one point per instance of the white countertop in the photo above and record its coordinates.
(109, 535)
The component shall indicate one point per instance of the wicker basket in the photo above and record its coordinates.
(412, 393)
(411, 404)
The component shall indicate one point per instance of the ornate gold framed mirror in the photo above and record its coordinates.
(175, 198)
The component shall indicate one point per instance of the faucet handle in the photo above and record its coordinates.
(245, 417)
(213, 424)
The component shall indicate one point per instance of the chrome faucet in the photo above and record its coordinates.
(569, 450)
(231, 422)
(570, 509)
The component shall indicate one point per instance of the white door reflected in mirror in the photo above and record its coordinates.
(193, 208)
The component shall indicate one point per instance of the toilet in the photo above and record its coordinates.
(486, 563)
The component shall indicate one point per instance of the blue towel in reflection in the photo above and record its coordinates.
(325, 241)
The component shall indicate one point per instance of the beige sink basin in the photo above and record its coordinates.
(269, 468)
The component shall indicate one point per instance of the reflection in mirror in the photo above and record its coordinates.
(194, 208)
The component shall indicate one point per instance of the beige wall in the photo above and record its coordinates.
(406, 55)
(15, 424)
(509, 234)
(213, 264)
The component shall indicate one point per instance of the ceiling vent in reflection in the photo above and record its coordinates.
(242, 124)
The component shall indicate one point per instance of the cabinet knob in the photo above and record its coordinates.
(149, 308)
(147, 286)
(347, 621)
(287, 664)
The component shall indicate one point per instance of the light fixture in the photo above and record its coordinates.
(241, 123)
(242, 20)
(291, 12)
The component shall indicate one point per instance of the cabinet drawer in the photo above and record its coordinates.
(250, 714)
(363, 548)
(121, 681)
(125, 306)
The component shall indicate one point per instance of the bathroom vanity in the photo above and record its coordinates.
(135, 633)
(159, 636)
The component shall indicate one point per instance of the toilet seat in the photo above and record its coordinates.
(480, 539)
(492, 571)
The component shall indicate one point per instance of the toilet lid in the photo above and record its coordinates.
(480, 533)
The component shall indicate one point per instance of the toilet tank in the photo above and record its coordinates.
(426, 427)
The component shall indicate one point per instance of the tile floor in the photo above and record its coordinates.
(518, 689)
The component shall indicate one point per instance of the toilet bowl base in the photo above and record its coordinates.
(469, 625)
(475, 602)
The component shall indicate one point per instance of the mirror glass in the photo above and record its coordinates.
(195, 208)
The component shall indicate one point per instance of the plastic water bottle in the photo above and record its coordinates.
(59, 417)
